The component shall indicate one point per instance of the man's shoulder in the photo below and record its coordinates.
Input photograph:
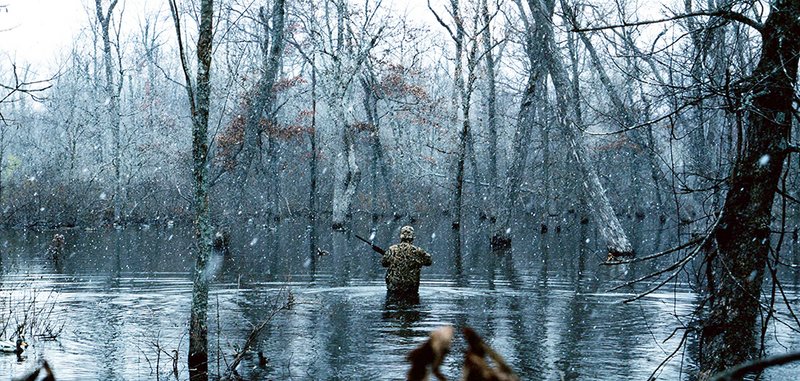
(403, 246)
(395, 248)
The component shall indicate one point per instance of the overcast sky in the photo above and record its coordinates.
(35, 31)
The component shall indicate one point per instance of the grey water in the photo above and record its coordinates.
(118, 305)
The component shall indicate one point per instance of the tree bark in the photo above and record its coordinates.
(312, 164)
(611, 229)
(501, 232)
(262, 105)
(272, 65)
(347, 61)
(743, 233)
(491, 105)
(113, 102)
(198, 331)
(348, 174)
(199, 95)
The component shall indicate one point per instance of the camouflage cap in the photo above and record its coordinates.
(406, 233)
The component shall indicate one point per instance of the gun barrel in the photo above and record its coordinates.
(377, 248)
(363, 239)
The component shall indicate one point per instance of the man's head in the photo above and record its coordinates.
(406, 234)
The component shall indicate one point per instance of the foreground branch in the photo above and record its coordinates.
(725, 14)
(739, 371)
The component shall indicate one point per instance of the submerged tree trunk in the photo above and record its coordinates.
(501, 231)
(491, 107)
(199, 100)
(743, 233)
(611, 229)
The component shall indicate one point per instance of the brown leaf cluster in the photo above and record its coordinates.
(228, 142)
(428, 357)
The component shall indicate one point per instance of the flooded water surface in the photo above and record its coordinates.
(117, 304)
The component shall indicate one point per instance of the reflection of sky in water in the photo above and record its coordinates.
(124, 294)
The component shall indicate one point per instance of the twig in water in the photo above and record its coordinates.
(254, 334)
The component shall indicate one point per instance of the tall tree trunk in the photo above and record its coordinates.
(460, 101)
(263, 102)
(112, 93)
(198, 331)
(743, 232)
(378, 163)
(347, 175)
(312, 164)
(502, 229)
(459, 180)
(465, 90)
(457, 99)
(272, 54)
(491, 106)
(346, 63)
(610, 228)
(628, 117)
(199, 96)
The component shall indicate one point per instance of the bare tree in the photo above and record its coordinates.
(737, 248)
(490, 63)
(113, 90)
(610, 228)
(533, 43)
(346, 54)
(466, 42)
(743, 233)
(259, 108)
(199, 94)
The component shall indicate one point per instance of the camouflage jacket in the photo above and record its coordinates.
(404, 261)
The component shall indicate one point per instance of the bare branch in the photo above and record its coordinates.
(656, 255)
(22, 86)
(738, 372)
(725, 14)
(676, 267)
(173, 7)
(439, 19)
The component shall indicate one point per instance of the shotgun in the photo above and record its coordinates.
(374, 247)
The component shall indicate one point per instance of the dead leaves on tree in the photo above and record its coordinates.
(428, 357)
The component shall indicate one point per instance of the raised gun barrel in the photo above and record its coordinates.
(374, 247)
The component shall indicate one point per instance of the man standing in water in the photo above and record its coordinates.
(404, 262)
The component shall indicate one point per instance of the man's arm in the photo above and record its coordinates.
(385, 259)
(425, 257)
